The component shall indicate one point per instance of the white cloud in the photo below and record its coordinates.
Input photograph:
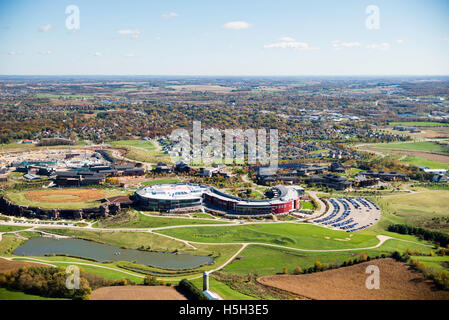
(48, 52)
(45, 28)
(170, 15)
(379, 46)
(157, 38)
(128, 32)
(290, 43)
(98, 54)
(400, 41)
(130, 55)
(14, 53)
(339, 45)
(447, 39)
(287, 39)
(237, 25)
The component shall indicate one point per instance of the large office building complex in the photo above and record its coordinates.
(186, 197)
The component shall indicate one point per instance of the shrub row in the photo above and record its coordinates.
(191, 291)
(434, 236)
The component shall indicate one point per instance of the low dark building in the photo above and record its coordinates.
(78, 178)
(182, 167)
(337, 167)
(330, 180)
(382, 175)
(161, 168)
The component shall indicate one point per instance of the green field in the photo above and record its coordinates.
(159, 181)
(222, 289)
(419, 124)
(424, 146)
(142, 150)
(138, 220)
(263, 260)
(8, 244)
(147, 145)
(94, 267)
(421, 161)
(302, 236)
(6, 294)
(426, 209)
(307, 205)
(4, 228)
(438, 263)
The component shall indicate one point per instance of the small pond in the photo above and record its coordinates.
(41, 246)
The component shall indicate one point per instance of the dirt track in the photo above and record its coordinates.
(397, 282)
(65, 195)
(137, 293)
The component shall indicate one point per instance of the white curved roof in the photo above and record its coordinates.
(172, 191)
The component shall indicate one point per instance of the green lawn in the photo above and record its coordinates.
(147, 145)
(222, 289)
(303, 236)
(6, 294)
(138, 220)
(8, 244)
(141, 150)
(4, 228)
(307, 205)
(438, 263)
(421, 161)
(263, 260)
(426, 209)
(202, 215)
(159, 181)
(424, 146)
(106, 273)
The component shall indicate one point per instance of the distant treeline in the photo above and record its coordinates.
(434, 236)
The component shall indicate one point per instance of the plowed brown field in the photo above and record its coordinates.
(137, 293)
(397, 282)
(7, 265)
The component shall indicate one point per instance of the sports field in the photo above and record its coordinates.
(63, 198)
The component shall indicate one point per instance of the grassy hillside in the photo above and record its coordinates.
(303, 236)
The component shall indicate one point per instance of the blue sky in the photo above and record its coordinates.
(197, 37)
